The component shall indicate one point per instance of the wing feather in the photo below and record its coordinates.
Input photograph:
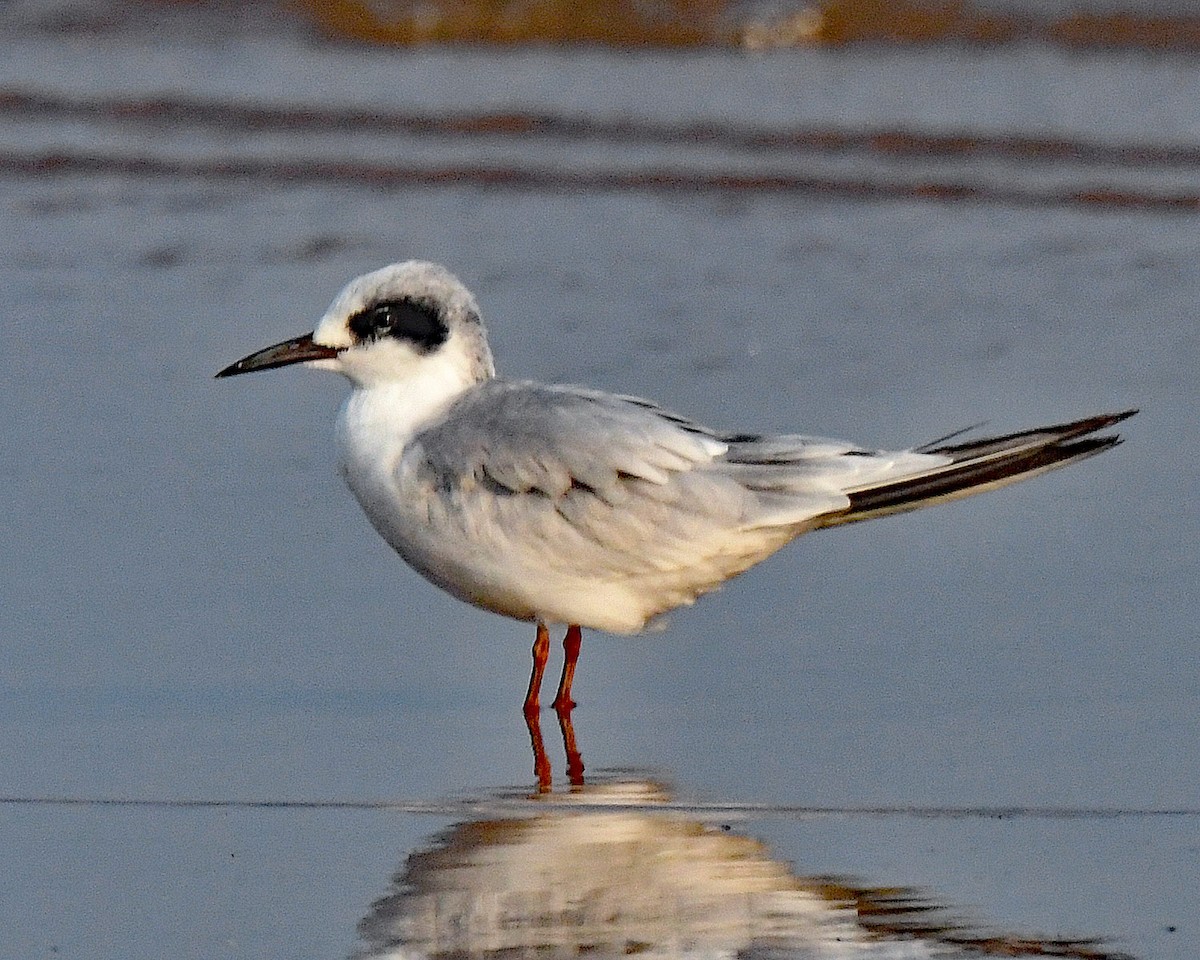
(610, 486)
(532, 438)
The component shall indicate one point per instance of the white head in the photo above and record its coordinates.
(403, 322)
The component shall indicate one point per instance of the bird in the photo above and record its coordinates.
(568, 506)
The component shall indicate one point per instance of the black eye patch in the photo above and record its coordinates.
(418, 323)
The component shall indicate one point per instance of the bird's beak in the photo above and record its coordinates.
(296, 350)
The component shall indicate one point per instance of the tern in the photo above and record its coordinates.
(566, 506)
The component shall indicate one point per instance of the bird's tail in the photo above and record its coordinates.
(980, 465)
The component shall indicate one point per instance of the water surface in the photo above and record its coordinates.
(194, 609)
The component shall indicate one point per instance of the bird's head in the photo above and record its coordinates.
(390, 326)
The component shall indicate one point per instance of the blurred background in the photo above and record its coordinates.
(235, 725)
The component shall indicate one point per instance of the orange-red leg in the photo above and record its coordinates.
(541, 653)
(571, 644)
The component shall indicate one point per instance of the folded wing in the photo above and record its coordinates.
(582, 489)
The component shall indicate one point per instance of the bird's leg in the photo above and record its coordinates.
(541, 653)
(571, 644)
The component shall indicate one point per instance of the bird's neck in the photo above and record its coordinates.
(381, 418)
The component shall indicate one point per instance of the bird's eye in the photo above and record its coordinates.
(380, 319)
(420, 324)
(373, 323)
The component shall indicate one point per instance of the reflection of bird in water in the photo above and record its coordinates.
(619, 879)
(570, 506)
(541, 760)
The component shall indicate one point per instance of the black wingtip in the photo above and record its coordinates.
(984, 465)
(1060, 432)
(1108, 419)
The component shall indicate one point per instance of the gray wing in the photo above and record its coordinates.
(600, 484)
(528, 438)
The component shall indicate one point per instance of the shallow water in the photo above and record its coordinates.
(194, 610)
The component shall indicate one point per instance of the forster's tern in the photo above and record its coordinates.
(562, 505)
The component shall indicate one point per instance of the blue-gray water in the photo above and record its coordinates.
(193, 608)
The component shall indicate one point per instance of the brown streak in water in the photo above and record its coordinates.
(521, 178)
(225, 116)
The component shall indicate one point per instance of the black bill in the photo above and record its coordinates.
(296, 350)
